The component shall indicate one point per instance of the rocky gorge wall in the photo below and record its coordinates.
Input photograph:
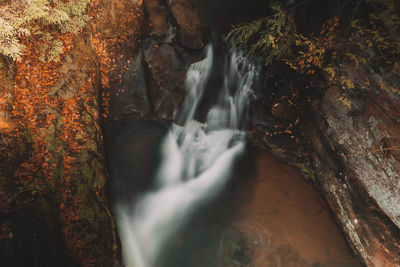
(153, 82)
(128, 62)
(334, 114)
(53, 203)
(349, 153)
(341, 130)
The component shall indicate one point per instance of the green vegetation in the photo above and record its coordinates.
(380, 29)
(39, 19)
(309, 46)
(358, 35)
(375, 25)
(269, 37)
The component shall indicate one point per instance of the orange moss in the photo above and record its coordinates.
(70, 202)
(34, 109)
(54, 123)
(108, 49)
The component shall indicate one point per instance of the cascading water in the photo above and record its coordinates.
(196, 161)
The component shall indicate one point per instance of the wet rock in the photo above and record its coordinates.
(120, 17)
(350, 137)
(166, 79)
(12, 152)
(129, 178)
(157, 18)
(132, 99)
(153, 85)
(282, 110)
(364, 189)
(259, 114)
(191, 28)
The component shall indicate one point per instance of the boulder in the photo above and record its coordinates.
(190, 27)
(166, 79)
(362, 186)
(157, 18)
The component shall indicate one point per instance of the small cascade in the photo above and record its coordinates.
(197, 159)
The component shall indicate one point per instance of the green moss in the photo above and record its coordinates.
(88, 214)
(87, 118)
(49, 137)
(82, 188)
(27, 135)
(59, 125)
(92, 146)
(78, 137)
(75, 173)
(269, 37)
(84, 156)
(87, 172)
(307, 170)
(276, 150)
(297, 158)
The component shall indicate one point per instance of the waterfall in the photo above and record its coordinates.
(197, 157)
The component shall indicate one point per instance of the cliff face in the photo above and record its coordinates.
(54, 209)
(354, 154)
(360, 174)
(129, 61)
(362, 184)
(151, 85)
(332, 109)
(53, 192)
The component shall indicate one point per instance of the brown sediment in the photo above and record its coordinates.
(286, 222)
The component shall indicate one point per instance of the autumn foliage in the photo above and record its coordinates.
(55, 106)
(38, 111)
(314, 50)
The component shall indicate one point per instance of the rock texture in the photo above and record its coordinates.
(166, 74)
(54, 208)
(337, 118)
(190, 26)
(53, 194)
(363, 183)
(153, 83)
(345, 139)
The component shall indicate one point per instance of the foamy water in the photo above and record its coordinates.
(197, 159)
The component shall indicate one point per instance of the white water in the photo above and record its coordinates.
(197, 159)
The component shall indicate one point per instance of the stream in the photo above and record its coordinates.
(193, 194)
